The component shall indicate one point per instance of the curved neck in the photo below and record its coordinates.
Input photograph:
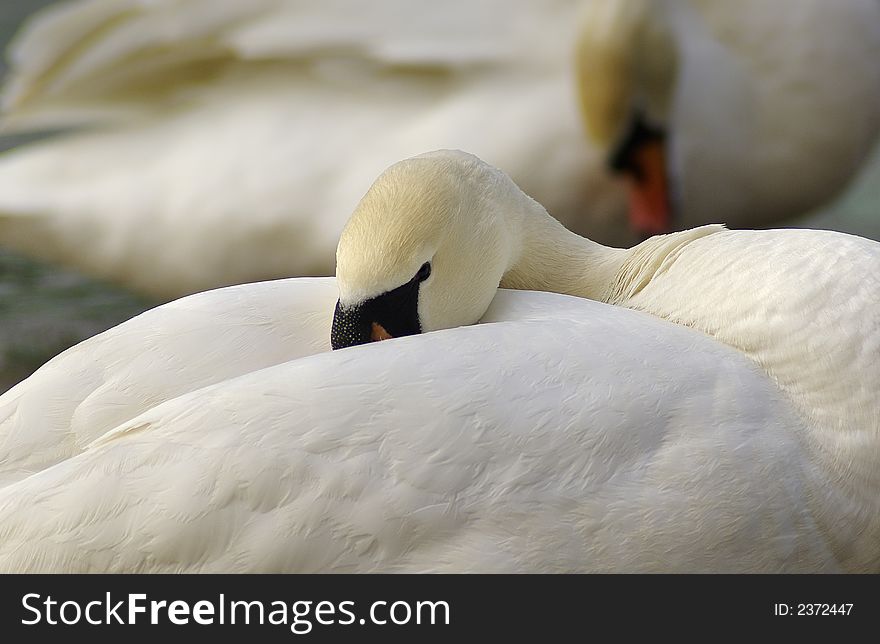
(552, 258)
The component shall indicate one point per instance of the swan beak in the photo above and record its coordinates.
(391, 315)
(649, 210)
(640, 157)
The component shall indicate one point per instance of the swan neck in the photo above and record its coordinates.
(552, 258)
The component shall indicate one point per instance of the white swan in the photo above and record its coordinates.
(768, 108)
(569, 435)
(219, 126)
(228, 141)
(409, 456)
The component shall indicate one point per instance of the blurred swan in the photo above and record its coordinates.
(766, 110)
(222, 141)
(562, 434)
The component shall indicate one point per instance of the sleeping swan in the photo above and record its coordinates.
(433, 238)
(560, 434)
(516, 445)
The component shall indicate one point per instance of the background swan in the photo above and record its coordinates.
(754, 456)
(768, 108)
(228, 141)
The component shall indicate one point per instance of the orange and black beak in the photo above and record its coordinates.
(392, 314)
(641, 158)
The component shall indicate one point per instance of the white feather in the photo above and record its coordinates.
(568, 435)
(729, 424)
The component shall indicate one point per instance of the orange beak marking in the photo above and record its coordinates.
(650, 212)
(378, 333)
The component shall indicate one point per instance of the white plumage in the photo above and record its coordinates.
(560, 434)
(173, 349)
(229, 141)
(567, 436)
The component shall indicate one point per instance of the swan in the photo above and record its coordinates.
(212, 133)
(753, 111)
(436, 234)
(218, 142)
(682, 423)
(658, 450)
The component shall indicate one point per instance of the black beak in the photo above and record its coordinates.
(350, 327)
(621, 159)
(640, 157)
(390, 315)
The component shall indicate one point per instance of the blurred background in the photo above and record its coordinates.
(45, 308)
(154, 149)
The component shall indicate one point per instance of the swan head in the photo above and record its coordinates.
(425, 249)
(626, 64)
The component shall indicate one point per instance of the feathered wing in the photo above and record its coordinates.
(163, 353)
(230, 145)
(802, 305)
(102, 52)
(602, 439)
(175, 349)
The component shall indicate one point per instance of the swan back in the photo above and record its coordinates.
(617, 442)
(167, 351)
(802, 305)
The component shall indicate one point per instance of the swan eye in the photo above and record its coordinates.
(424, 272)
